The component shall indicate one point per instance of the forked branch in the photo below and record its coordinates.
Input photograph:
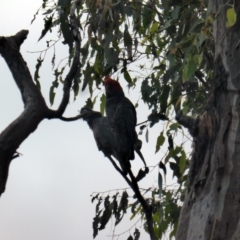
(35, 109)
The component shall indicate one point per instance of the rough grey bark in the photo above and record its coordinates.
(211, 209)
(35, 109)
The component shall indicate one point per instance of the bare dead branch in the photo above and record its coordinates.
(70, 119)
(35, 107)
(9, 49)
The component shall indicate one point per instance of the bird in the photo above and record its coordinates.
(122, 117)
(104, 137)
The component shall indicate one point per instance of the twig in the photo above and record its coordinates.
(74, 67)
(117, 235)
(119, 170)
(70, 119)
(146, 208)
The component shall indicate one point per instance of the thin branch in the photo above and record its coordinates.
(74, 67)
(171, 102)
(70, 119)
(146, 207)
(119, 170)
(117, 235)
(46, 49)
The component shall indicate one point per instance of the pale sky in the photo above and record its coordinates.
(49, 186)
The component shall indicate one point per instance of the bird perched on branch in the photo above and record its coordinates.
(122, 117)
(105, 138)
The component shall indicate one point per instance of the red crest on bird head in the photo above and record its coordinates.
(113, 83)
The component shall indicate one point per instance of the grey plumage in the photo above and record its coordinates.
(105, 138)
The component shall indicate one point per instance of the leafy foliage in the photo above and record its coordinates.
(166, 209)
(165, 49)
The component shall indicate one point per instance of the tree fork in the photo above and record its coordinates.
(35, 108)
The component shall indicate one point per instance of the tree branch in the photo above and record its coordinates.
(70, 119)
(35, 107)
(134, 185)
(74, 67)
(9, 49)
(119, 170)
(146, 207)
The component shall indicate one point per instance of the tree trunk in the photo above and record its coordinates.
(212, 206)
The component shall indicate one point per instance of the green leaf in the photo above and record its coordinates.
(34, 16)
(106, 202)
(175, 12)
(98, 205)
(102, 104)
(147, 135)
(127, 39)
(136, 234)
(174, 126)
(141, 174)
(130, 238)
(47, 26)
(52, 95)
(36, 74)
(160, 183)
(115, 205)
(96, 221)
(124, 202)
(147, 17)
(127, 77)
(96, 65)
(134, 205)
(94, 197)
(76, 84)
(231, 17)
(105, 218)
(66, 31)
(160, 141)
(189, 69)
(87, 77)
(165, 5)
(110, 58)
(163, 167)
(136, 212)
(164, 97)
(84, 51)
(176, 170)
(154, 27)
(63, 3)
(146, 91)
(182, 161)
(177, 150)
(89, 103)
